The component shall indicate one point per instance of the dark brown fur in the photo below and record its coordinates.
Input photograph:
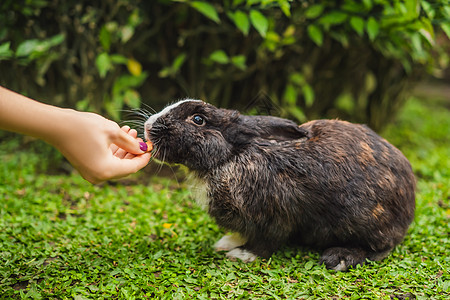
(328, 184)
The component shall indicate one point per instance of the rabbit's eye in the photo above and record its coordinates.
(199, 120)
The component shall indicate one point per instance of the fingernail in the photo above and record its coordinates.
(143, 146)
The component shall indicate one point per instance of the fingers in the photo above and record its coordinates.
(121, 153)
(125, 167)
(132, 132)
(117, 168)
(126, 139)
(114, 147)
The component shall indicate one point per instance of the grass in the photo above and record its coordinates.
(62, 238)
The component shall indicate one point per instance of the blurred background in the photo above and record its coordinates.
(384, 63)
(356, 60)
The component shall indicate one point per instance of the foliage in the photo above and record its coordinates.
(64, 238)
(309, 59)
(89, 51)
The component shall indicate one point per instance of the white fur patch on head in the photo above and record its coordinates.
(148, 124)
(244, 255)
(229, 242)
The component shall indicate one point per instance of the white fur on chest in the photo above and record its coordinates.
(199, 190)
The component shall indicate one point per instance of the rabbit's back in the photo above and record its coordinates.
(343, 184)
(363, 186)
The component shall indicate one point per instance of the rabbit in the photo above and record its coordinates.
(331, 185)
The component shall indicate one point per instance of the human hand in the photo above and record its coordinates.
(95, 146)
(98, 148)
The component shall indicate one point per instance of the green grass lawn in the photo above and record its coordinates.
(63, 238)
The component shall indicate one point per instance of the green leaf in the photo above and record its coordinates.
(36, 47)
(239, 61)
(298, 113)
(309, 265)
(241, 21)
(446, 285)
(26, 48)
(446, 13)
(368, 4)
(105, 38)
(315, 34)
(178, 61)
(126, 33)
(314, 11)
(165, 72)
(290, 31)
(297, 78)
(132, 98)
(340, 37)
(260, 22)
(357, 24)
(345, 103)
(113, 108)
(290, 94)
(112, 26)
(206, 9)
(428, 9)
(174, 68)
(427, 30)
(83, 105)
(412, 9)
(285, 7)
(134, 19)
(416, 43)
(333, 18)
(55, 40)
(118, 59)
(446, 29)
(353, 7)
(219, 56)
(5, 51)
(372, 28)
(273, 37)
(125, 82)
(308, 94)
(103, 63)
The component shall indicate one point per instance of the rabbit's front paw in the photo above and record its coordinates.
(229, 242)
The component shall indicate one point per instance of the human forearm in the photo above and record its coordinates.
(97, 147)
(24, 115)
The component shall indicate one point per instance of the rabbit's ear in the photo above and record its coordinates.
(273, 128)
(282, 129)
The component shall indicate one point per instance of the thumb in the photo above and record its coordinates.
(128, 143)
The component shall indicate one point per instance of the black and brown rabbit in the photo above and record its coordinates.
(328, 184)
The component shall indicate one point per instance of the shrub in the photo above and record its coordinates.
(305, 59)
